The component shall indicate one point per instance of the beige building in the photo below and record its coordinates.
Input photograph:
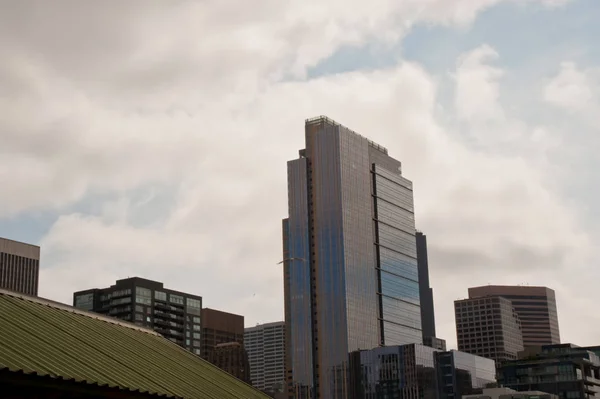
(536, 307)
(488, 327)
(19, 266)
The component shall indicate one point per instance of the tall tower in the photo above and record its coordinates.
(350, 257)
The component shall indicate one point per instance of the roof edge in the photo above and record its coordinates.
(71, 309)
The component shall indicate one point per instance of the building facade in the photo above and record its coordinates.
(568, 371)
(232, 358)
(350, 257)
(173, 314)
(436, 343)
(488, 327)
(462, 374)
(19, 267)
(417, 371)
(265, 345)
(536, 307)
(220, 328)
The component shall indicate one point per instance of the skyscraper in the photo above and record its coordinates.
(350, 257)
(19, 266)
(536, 307)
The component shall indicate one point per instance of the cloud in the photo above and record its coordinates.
(173, 128)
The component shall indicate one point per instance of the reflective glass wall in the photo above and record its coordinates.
(297, 287)
(397, 252)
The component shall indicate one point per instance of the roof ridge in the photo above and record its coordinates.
(71, 309)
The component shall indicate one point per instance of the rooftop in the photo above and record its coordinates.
(42, 338)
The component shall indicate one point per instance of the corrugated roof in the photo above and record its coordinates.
(50, 339)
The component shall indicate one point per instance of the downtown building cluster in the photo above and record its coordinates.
(358, 305)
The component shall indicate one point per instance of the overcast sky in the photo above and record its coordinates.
(150, 138)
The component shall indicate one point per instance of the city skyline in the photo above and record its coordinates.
(142, 152)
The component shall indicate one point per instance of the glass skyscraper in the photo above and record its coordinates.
(350, 259)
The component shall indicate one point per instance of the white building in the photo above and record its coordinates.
(265, 345)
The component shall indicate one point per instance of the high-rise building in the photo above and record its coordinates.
(536, 307)
(173, 314)
(350, 257)
(220, 328)
(19, 266)
(266, 352)
(488, 327)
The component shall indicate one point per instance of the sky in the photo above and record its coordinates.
(150, 138)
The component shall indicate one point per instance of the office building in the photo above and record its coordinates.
(350, 258)
(488, 327)
(416, 371)
(173, 314)
(265, 344)
(462, 374)
(232, 358)
(507, 393)
(566, 370)
(436, 343)
(19, 267)
(536, 307)
(220, 328)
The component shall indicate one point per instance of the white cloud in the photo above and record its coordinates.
(188, 99)
(572, 89)
(477, 86)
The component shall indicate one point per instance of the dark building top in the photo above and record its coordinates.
(232, 358)
(53, 350)
(19, 266)
(220, 328)
(175, 315)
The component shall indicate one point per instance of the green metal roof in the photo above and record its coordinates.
(50, 339)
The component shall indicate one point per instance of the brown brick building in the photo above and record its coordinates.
(232, 358)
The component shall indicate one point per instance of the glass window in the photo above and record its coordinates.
(143, 295)
(176, 299)
(400, 288)
(85, 301)
(196, 343)
(196, 320)
(160, 296)
(196, 335)
(196, 327)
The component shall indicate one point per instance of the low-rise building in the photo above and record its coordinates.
(507, 393)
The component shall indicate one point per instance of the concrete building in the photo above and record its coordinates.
(232, 358)
(350, 259)
(173, 314)
(19, 267)
(488, 327)
(536, 307)
(220, 328)
(507, 393)
(565, 370)
(265, 345)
